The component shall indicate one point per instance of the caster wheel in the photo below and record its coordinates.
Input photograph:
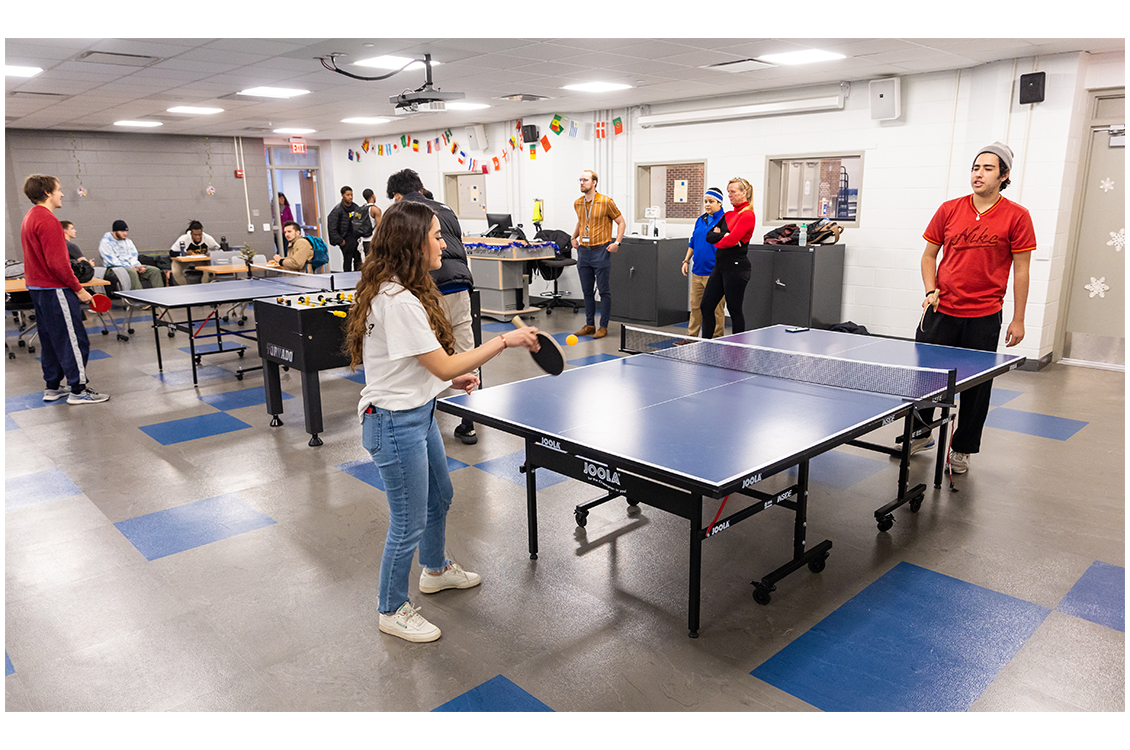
(197, 360)
(633, 503)
(241, 354)
(122, 337)
(21, 344)
(761, 595)
(31, 350)
(225, 318)
(817, 564)
(239, 376)
(105, 333)
(129, 330)
(582, 518)
(548, 312)
(11, 355)
(885, 523)
(286, 369)
(241, 321)
(171, 334)
(915, 506)
(533, 555)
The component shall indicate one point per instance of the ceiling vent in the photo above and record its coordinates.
(117, 58)
(523, 97)
(33, 94)
(738, 66)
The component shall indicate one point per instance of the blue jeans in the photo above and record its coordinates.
(595, 264)
(407, 448)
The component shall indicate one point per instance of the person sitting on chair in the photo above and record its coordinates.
(299, 251)
(194, 241)
(118, 251)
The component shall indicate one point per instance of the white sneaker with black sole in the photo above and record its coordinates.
(959, 462)
(407, 623)
(88, 397)
(54, 394)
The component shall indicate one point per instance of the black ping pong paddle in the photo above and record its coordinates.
(549, 356)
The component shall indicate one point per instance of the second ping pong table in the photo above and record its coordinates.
(217, 295)
(667, 431)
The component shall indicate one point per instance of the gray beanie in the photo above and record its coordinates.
(1003, 152)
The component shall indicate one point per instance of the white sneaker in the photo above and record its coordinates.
(87, 397)
(917, 445)
(407, 623)
(453, 577)
(959, 462)
(54, 394)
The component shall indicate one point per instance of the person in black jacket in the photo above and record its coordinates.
(347, 224)
(454, 275)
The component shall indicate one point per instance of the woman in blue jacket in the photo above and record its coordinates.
(700, 262)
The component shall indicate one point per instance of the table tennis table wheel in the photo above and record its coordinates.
(817, 564)
(915, 505)
(761, 594)
(886, 522)
(582, 517)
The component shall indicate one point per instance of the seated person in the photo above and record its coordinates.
(194, 241)
(84, 272)
(118, 251)
(299, 251)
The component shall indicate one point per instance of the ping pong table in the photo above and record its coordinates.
(219, 294)
(674, 426)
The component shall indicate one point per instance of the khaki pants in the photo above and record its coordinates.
(698, 285)
(151, 275)
(457, 308)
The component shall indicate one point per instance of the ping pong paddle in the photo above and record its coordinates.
(549, 356)
(99, 303)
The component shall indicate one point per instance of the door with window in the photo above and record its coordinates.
(295, 176)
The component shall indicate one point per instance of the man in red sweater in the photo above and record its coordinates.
(55, 293)
(985, 236)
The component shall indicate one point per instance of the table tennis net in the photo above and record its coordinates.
(297, 279)
(895, 380)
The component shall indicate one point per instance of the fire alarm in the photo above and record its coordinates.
(239, 173)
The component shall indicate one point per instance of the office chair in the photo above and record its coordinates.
(551, 270)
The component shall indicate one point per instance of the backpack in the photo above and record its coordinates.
(83, 271)
(321, 252)
(362, 224)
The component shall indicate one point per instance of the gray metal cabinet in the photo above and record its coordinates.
(647, 283)
(797, 286)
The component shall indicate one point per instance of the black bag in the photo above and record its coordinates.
(83, 270)
(718, 231)
(362, 224)
(850, 327)
(786, 235)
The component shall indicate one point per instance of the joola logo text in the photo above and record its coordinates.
(602, 473)
(551, 444)
(751, 481)
(720, 527)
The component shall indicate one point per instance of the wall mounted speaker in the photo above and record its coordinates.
(476, 138)
(530, 134)
(885, 95)
(1032, 87)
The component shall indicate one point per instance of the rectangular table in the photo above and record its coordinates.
(670, 433)
(499, 269)
(227, 293)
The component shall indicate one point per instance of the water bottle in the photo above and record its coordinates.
(803, 235)
(182, 248)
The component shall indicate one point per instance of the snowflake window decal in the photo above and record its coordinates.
(1118, 240)
(1097, 287)
(1107, 185)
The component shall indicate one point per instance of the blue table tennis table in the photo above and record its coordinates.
(219, 294)
(670, 433)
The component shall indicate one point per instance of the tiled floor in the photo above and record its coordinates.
(168, 550)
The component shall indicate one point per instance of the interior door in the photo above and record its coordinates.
(1095, 329)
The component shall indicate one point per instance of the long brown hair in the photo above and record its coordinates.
(398, 249)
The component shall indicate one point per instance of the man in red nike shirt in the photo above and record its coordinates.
(985, 236)
(55, 293)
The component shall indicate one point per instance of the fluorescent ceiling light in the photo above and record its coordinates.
(194, 110)
(367, 120)
(295, 131)
(597, 87)
(21, 71)
(466, 105)
(392, 62)
(801, 57)
(137, 123)
(272, 93)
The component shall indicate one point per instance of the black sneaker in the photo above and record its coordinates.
(466, 433)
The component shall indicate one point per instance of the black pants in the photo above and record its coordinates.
(968, 333)
(350, 255)
(728, 279)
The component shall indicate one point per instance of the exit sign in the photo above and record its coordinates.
(298, 148)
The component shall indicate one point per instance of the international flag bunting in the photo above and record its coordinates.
(404, 141)
(600, 132)
(555, 124)
(429, 147)
(380, 149)
(462, 156)
(447, 134)
(545, 142)
(618, 125)
(471, 166)
(415, 145)
(513, 142)
(365, 145)
(454, 147)
(533, 151)
(444, 139)
(574, 126)
(497, 165)
(485, 170)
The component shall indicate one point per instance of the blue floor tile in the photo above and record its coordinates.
(254, 396)
(9, 423)
(1030, 423)
(167, 532)
(914, 640)
(182, 377)
(357, 377)
(20, 492)
(28, 401)
(507, 468)
(193, 428)
(1099, 596)
(367, 472)
(495, 695)
(581, 362)
(497, 327)
(8, 668)
(98, 354)
(1001, 396)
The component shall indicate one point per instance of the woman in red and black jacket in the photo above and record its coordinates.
(731, 262)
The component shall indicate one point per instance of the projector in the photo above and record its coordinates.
(425, 99)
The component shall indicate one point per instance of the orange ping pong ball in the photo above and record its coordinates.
(571, 340)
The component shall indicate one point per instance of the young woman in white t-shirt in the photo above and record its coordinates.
(398, 331)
